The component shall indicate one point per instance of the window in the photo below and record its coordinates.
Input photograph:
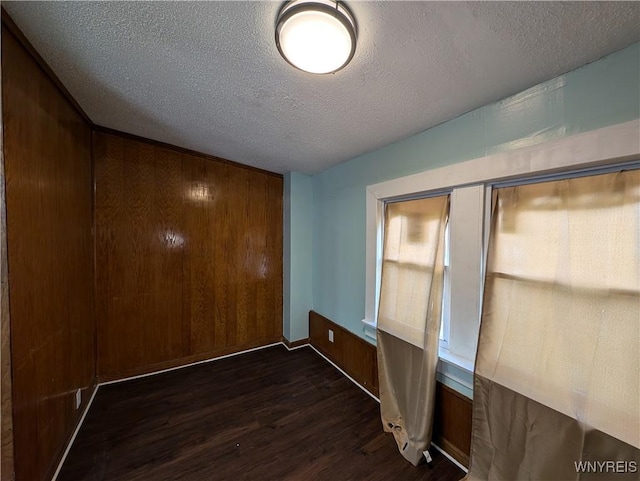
(563, 295)
(470, 185)
(461, 300)
(412, 258)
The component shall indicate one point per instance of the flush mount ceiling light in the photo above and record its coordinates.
(316, 36)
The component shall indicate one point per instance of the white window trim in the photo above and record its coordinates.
(446, 300)
(597, 148)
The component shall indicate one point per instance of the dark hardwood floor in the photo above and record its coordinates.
(266, 415)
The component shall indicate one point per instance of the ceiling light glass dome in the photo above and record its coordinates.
(316, 36)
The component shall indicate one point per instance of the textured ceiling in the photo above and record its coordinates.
(207, 75)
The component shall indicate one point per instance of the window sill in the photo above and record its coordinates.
(458, 361)
(453, 371)
(456, 372)
(369, 330)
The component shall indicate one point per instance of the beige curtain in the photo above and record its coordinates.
(409, 320)
(556, 393)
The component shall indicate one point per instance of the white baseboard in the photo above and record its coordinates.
(75, 433)
(344, 373)
(190, 364)
(86, 409)
(93, 395)
(447, 455)
(297, 347)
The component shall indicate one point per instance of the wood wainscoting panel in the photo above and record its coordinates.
(354, 355)
(452, 423)
(188, 256)
(358, 358)
(47, 161)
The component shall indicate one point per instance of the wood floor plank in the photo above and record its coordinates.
(266, 415)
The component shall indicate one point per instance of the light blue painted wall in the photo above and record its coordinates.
(603, 93)
(297, 250)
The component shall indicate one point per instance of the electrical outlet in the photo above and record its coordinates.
(330, 335)
(78, 398)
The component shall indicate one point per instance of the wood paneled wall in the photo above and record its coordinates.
(47, 160)
(358, 358)
(188, 256)
(6, 410)
(188, 250)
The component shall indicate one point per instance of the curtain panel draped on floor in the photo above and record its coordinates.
(409, 320)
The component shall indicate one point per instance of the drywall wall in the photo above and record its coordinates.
(298, 226)
(600, 94)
